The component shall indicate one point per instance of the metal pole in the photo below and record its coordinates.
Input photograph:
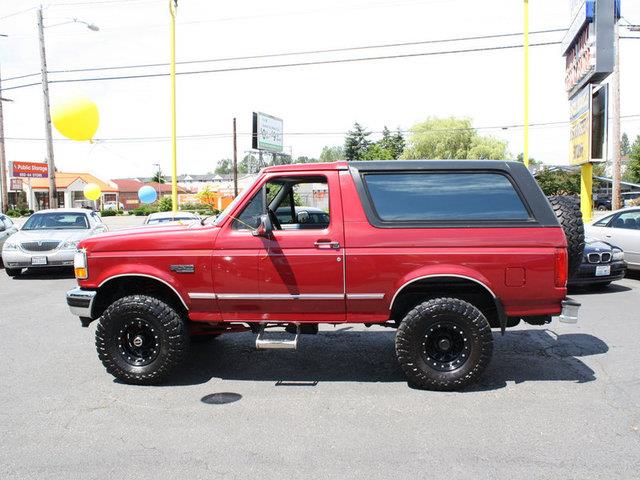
(586, 189)
(615, 128)
(53, 202)
(525, 153)
(235, 159)
(173, 6)
(4, 188)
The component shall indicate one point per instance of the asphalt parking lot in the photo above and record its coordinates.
(561, 401)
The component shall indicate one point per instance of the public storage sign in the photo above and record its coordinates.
(29, 169)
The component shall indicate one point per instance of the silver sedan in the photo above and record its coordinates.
(622, 229)
(49, 238)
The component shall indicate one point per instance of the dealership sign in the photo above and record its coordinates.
(267, 132)
(28, 169)
(580, 127)
(588, 45)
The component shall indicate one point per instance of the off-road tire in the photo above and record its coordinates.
(414, 332)
(169, 330)
(13, 272)
(567, 210)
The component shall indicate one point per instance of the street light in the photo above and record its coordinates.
(53, 197)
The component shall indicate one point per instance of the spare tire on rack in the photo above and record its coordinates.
(567, 210)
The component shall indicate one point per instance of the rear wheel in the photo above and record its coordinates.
(13, 272)
(141, 339)
(444, 344)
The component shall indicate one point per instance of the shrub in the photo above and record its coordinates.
(165, 204)
(13, 213)
(108, 213)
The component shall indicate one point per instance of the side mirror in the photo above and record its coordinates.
(265, 228)
(303, 217)
(2, 227)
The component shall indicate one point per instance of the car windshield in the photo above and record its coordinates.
(57, 221)
(155, 221)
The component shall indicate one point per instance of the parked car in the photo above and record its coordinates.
(622, 229)
(113, 206)
(602, 202)
(443, 251)
(49, 238)
(7, 228)
(302, 217)
(628, 197)
(170, 218)
(602, 263)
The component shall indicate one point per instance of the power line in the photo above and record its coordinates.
(208, 136)
(288, 65)
(302, 52)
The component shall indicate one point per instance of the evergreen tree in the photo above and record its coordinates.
(625, 148)
(332, 154)
(392, 143)
(633, 169)
(356, 143)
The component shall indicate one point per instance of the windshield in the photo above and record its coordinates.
(57, 221)
(220, 218)
(155, 221)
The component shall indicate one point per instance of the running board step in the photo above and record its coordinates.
(263, 343)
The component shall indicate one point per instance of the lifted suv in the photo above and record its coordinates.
(444, 251)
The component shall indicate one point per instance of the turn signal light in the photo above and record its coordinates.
(561, 267)
(81, 272)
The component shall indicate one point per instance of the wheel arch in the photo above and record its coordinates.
(117, 286)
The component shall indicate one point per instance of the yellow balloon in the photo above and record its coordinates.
(76, 118)
(92, 191)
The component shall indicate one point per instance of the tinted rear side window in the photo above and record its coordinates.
(442, 197)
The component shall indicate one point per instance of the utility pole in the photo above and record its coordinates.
(525, 154)
(53, 197)
(615, 128)
(235, 159)
(4, 193)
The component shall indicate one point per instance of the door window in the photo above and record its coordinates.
(627, 220)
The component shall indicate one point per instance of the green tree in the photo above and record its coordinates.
(157, 176)
(392, 143)
(452, 138)
(376, 151)
(532, 161)
(224, 166)
(554, 181)
(332, 154)
(633, 168)
(165, 204)
(356, 143)
(625, 148)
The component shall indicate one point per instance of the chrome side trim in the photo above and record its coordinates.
(202, 296)
(280, 296)
(439, 276)
(147, 276)
(365, 296)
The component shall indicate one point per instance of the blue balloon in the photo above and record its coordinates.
(147, 194)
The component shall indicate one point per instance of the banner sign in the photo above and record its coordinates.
(15, 185)
(580, 127)
(267, 132)
(29, 169)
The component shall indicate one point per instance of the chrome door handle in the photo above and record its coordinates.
(326, 244)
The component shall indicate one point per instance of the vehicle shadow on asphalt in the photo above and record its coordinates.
(53, 273)
(613, 288)
(369, 356)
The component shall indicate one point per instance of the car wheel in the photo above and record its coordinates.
(13, 272)
(567, 210)
(444, 344)
(141, 339)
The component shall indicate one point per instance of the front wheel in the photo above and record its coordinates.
(141, 340)
(444, 344)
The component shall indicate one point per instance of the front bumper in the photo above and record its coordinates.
(569, 312)
(23, 259)
(81, 302)
(586, 274)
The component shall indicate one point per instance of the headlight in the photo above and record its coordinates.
(70, 245)
(80, 265)
(618, 255)
(10, 246)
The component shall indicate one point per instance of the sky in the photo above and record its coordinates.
(317, 103)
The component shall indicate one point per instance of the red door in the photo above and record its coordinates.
(302, 268)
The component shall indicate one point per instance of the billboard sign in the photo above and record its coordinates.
(15, 185)
(267, 133)
(588, 45)
(580, 127)
(28, 170)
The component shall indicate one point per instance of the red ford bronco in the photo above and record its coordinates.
(444, 251)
